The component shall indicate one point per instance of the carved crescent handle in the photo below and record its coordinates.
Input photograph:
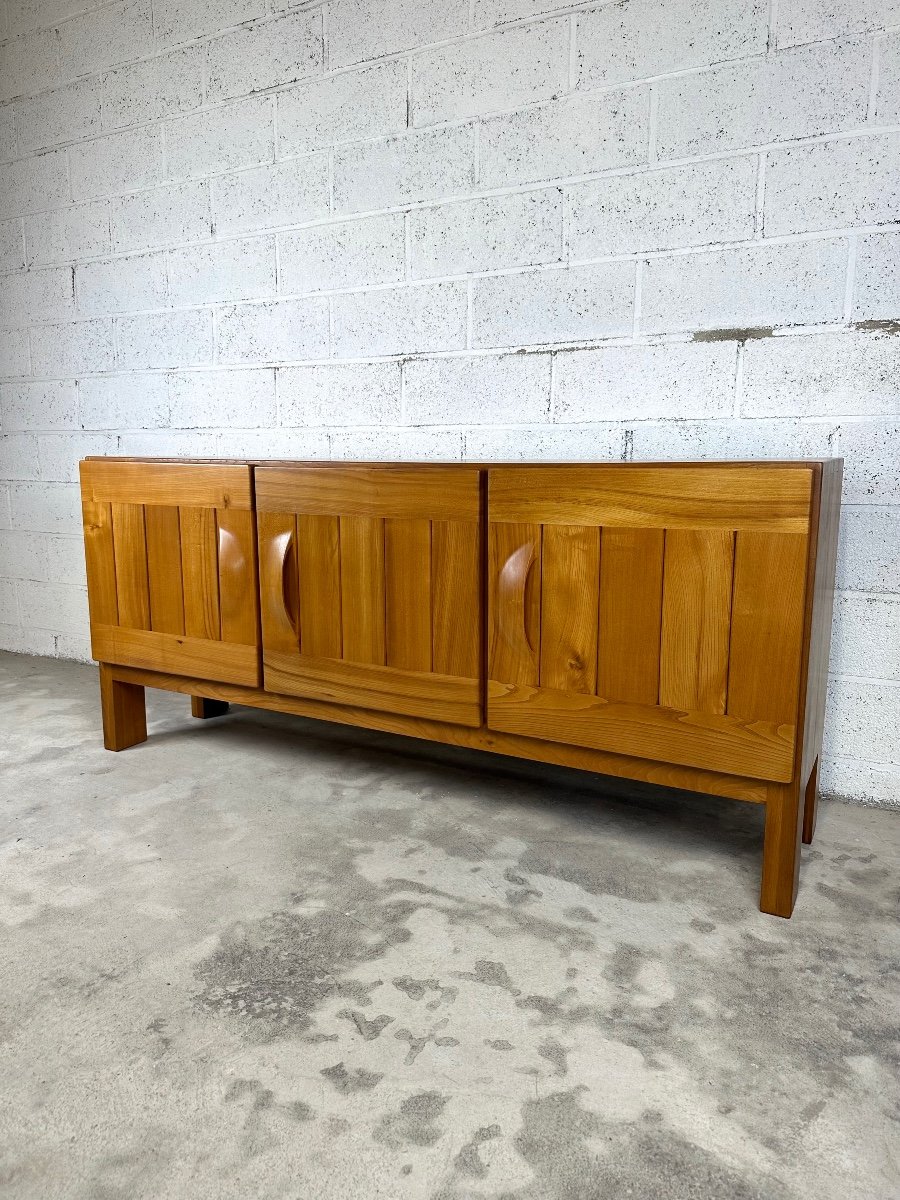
(511, 585)
(281, 551)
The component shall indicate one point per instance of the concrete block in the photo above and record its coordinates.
(5, 518)
(29, 64)
(425, 165)
(522, 229)
(397, 445)
(15, 361)
(9, 603)
(866, 637)
(276, 331)
(869, 549)
(23, 555)
(171, 443)
(55, 606)
(347, 254)
(572, 136)
(241, 399)
(119, 285)
(792, 284)
(861, 782)
(815, 89)
(60, 453)
(48, 405)
(343, 108)
(407, 320)
(486, 13)
(118, 162)
(618, 43)
(179, 22)
(68, 234)
(364, 29)
(800, 21)
(564, 305)
(361, 393)
(267, 197)
(877, 283)
(65, 560)
(12, 245)
(256, 57)
(548, 443)
(172, 339)
(27, 641)
(222, 139)
(9, 137)
(28, 16)
(233, 270)
(639, 383)
(495, 72)
(63, 115)
(46, 507)
(692, 205)
(304, 444)
(481, 390)
(118, 402)
(724, 439)
(830, 185)
(31, 296)
(887, 98)
(34, 184)
(155, 88)
(19, 457)
(113, 34)
(871, 452)
(862, 718)
(826, 374)
(161, 217)
(77, 348)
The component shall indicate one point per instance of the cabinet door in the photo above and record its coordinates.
(655, 611)
(171, 567)
(369, 579)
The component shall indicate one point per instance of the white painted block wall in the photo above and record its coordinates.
(456, 229)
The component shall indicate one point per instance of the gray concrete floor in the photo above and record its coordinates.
(263, 957)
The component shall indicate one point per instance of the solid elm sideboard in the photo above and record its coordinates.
(666, 622)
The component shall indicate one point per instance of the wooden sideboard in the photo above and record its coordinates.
(666, 622)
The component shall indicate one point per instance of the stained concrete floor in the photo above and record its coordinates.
(261, 957)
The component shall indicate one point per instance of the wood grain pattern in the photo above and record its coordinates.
(238, 590)
(132, 586)
(319, 565)
(413, 693)
(435, 493)
(100, 561)
(215, 485)
(693, 739)
(407, 576)
(163, 530)
(123, 710)
(631, 574)
(781, 849)
(277, 581)
(362, 589)
(696, 615)
(456, 597)
(514, 602)
(696, 496)
(200, 569)
(570, 575)
(175, 654)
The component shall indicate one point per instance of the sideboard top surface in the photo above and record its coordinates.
(481, 466)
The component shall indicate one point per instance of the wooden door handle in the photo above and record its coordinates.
(281, 556)
(511, 586)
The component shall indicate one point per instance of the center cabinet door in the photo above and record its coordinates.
(652, 611)
(369, 584)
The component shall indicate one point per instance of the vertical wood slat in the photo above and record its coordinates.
(767, 625)
(100, 560)
(570, 571)
(163, 534)
(319, 565)
(696, 617)
(200, 568)
(631, 574)
(456, 597)
(238, 590)
(514, 600)
(407, 582)
(277, 580)
(132, 587)
(362, 589)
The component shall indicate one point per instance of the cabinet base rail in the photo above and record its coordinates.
(790, 807)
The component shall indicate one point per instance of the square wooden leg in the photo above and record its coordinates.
(124, 711)
(781, 849)
(811, 804)
(204, 708)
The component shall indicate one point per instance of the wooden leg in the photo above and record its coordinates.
(124, 711)
(203, 708)
(781, 849)
(811, 804)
